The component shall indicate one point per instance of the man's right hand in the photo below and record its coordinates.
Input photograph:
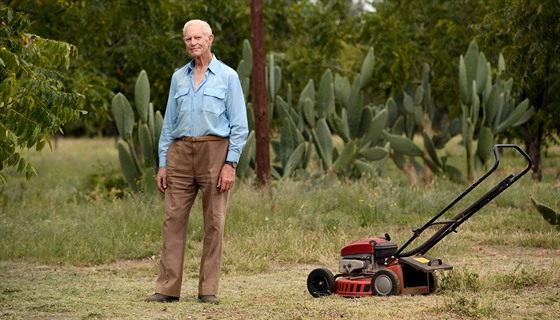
(162, 179)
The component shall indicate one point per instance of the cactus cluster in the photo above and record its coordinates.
(488, 107)
(346, 137)
(412, 113)
(291, 151)
(330, 124)
(138, 143)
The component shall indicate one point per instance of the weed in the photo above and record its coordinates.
(459, 281)
(469, 307)
(104, 184)
(521, 278)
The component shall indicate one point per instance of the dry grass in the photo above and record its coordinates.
(63, 258)
(116, 291)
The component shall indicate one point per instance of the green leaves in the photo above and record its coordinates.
(34, 103)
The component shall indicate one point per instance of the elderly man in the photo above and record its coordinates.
(204, 131)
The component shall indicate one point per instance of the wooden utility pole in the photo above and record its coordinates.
(259, 93)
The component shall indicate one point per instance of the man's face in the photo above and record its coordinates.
(196, 42)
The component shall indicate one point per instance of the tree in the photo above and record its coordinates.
(118, 39)
(407, 34)
(34, 103)
(527, 33)
(315, 36)
(114, 46)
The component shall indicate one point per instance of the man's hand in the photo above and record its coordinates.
(227, 178)
(162, 179)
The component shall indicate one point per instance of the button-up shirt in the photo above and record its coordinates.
(216, 107)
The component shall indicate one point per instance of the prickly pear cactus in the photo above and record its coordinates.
(331, 123)
(138, 163)
(550, 215)
(480, 95)
(358, 126)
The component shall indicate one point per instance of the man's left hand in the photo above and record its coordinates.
(227, 178)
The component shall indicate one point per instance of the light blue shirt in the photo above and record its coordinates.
(216, 108)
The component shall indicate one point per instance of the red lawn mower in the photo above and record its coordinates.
(376, 266)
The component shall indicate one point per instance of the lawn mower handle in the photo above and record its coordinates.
(451, 225)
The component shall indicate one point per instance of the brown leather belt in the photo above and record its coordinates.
(200, 139)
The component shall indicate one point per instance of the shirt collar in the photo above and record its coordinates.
(213, 66)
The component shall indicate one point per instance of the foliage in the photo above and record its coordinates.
(327, 45)
(408, 34)
(527, 33)
(107, 184)
(34, 103)
(114, 46)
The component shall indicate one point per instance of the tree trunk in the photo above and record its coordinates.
(533, 143)
(259, 93)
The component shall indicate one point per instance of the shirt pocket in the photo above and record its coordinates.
(214, 100)
(181, 92)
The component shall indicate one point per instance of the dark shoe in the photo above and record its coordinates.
(209, 299)
(158, 297)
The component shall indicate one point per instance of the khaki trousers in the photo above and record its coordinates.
(193, 166)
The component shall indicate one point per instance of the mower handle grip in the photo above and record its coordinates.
(496, 148)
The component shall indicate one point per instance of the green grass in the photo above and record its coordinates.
(68, 252)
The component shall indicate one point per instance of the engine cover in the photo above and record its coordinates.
(381, 248)
(351, 265)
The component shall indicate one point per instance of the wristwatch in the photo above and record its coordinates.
(232, 163)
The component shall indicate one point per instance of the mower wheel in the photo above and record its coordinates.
(385, 282)
(320, 282)
(432, 282)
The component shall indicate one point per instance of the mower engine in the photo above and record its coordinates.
(366, 255)
(362, 259)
